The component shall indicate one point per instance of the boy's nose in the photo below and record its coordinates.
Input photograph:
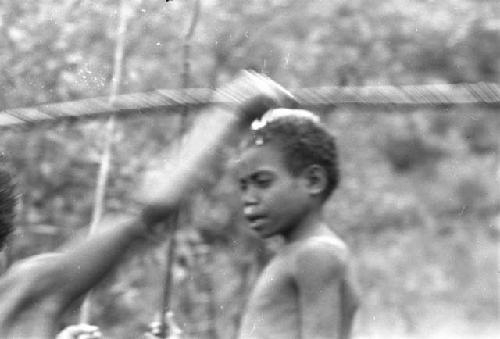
(249, 201)
(250, 198)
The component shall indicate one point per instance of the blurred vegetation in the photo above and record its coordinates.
(419, 203)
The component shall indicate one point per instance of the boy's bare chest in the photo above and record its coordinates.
(275, 281)
(273, 306)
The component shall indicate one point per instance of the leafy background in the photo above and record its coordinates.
(419, 202)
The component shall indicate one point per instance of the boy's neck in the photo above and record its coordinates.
(311, 225)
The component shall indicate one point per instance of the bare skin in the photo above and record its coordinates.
(302, 295)
(306, 291)
(35, 293)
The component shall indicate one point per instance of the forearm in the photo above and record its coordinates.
(193, 163)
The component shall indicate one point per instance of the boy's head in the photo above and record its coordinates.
(302, 140)
(288, 165)
(7, 206)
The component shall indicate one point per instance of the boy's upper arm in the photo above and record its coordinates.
(320, 269)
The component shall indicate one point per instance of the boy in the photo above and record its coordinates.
(35, 292)
(287, 171)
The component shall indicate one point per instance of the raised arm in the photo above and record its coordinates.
(199, 151)
(35, 292)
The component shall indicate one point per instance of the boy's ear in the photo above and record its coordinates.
(316, 179)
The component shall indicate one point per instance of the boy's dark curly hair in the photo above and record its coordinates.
(303, 140)
(7, 206)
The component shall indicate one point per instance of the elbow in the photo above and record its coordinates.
(35, 284)
(39, 295)
(20, 297)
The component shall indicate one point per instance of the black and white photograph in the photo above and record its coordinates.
(259, 169)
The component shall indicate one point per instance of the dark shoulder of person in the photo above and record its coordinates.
(322, 252)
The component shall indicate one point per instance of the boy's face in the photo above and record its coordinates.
(274, 201)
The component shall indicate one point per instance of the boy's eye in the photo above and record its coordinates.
(243, 186)
(263, 182)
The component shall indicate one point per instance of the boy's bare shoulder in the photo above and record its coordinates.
(322, 253)
(323, 245)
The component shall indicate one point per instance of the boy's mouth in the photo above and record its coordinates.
(255, 220)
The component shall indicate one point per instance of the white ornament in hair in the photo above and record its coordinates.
(282, 113)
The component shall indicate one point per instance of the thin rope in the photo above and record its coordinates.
(164, 101)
